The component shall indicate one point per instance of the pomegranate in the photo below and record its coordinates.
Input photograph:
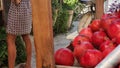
(117, 14)
(105, 22)
(98, 38)
(78, 39)
(91, 58)
(79, 50)
(86, 32)
(95, 25)
(105, 16)
(117, 38)
(105, 45)
(114, 28)
(107, 51)
(64, 56)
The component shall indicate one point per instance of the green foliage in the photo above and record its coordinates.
(70, 4)
(3, 53)
(3, 47)
(55, 4)
(60, 18)
(2, 33)
(61, 22)
(21, 51)
(78, 10)
(21, 54)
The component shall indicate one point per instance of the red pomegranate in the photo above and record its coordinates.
(105, 22)
(64, 56)
(106, 16)
(117, 14)
(95, 25)
(105, 45)
(86, 32)
(79, 50)
(107, 51)
(78, 39)
(91, 58)
(114, 28)
(98, 38)
(117, 38)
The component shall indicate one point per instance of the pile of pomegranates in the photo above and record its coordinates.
(93, 43)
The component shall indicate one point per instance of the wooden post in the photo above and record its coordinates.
(99, 8)
(43, 34)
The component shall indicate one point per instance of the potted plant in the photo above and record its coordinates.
(70, 5)
(62, 15)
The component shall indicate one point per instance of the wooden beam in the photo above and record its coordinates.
(43, 34)
(62, 66)
(99, 8)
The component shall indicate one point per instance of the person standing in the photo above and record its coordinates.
(19, 22)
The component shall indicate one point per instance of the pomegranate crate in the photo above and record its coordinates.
(106, 55)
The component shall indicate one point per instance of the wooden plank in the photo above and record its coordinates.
(43, 34)
(72, 35)
(75, 65)
(62, 66)
(99, 8)
(88, 21)
(83, 21)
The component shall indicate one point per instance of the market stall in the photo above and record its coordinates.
(43, 33)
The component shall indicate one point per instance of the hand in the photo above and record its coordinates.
(17, 2)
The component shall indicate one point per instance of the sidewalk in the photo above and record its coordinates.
(61, 41)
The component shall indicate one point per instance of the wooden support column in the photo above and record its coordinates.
(99, 8)
(43, 34)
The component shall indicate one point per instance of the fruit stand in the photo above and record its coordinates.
(42, 27)
(44, 49)
(43, 33)
(100, 49)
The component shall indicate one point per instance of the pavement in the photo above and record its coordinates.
(60, 40)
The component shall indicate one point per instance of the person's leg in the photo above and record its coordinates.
(28, 44)
(11, 50)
